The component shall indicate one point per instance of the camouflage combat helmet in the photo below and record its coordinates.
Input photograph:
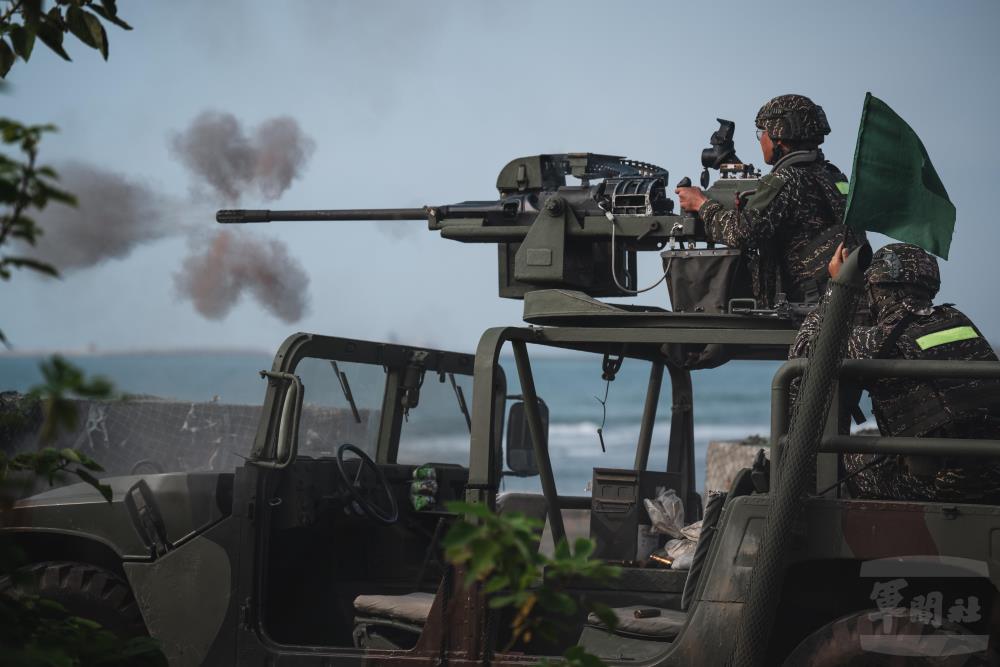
(793, 118)
(904, 264)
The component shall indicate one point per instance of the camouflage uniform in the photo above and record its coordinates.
(902, 280)
(791, 224)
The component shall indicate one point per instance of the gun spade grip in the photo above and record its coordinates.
(688, 216)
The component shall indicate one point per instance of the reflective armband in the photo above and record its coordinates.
(952, 335)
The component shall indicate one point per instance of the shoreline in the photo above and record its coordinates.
(136, 352)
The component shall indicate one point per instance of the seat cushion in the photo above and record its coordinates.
(411, 608)
(665, 626)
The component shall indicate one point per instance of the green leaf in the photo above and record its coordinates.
(473, 509)
(55, 194)
(605, 613)
(106, 491)
(29, 263)
(96, 387)
(103, 40)
(460, 534)
(31, 11)
(71, 455)
(109, 11)
(64, 414)
(3, 339)
(483, 559)
(77, 26)
(44, 458)
(96, 30)
(512, 600)
(52, 36)
(496, 583)
(144, 647)
(89, 463)
(103, 489)
(7, 58)
(559, 603)
(23, 41)
(87, 623)
(87, 28)
(583, 548)
(577, 656)
(48, 605)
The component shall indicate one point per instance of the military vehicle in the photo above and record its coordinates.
(311, 554)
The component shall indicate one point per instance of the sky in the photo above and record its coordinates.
(401, 104)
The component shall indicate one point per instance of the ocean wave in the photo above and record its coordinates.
(579, 440)
(701, 431)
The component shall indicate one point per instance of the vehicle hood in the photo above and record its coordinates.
(188, 502)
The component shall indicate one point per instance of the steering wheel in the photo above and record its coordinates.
(368, 487)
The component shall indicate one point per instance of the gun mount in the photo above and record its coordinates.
(721, 155)
(549, 234)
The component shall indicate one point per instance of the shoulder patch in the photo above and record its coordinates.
(767, 189)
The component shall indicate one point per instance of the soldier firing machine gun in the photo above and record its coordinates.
(585, 237)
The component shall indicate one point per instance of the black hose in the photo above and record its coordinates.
(798, 463)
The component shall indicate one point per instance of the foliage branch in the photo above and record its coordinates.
(36, 631)
(500, 553)
(23, 22)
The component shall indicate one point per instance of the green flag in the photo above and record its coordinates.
(894, 189)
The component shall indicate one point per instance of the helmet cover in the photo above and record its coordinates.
(904, 264)
(793, 118)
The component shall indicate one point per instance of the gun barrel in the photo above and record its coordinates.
(234, 216)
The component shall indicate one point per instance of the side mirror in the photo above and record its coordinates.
(520, 450)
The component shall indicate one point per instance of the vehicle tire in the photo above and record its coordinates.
(839, 644)
(84, 590)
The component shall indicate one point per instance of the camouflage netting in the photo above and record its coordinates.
(143, 434)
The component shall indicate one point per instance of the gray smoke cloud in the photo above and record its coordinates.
(113, 215)
(222, 155)
(216, 277)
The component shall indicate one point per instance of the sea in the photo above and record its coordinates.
(730, 403)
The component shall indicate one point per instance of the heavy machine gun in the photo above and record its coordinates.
(582, 237)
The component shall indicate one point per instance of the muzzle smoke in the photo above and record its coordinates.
(216, 278)
(113, 215)
(219, 153)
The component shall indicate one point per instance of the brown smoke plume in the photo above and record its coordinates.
(113, 215)
(217, 150)
(230, 265)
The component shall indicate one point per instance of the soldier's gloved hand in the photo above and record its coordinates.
(838, 259)
(691, 199)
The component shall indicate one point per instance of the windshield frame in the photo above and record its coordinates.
(395, 359)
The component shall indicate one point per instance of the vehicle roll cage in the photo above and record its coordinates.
(834, 443)
(648, 344)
